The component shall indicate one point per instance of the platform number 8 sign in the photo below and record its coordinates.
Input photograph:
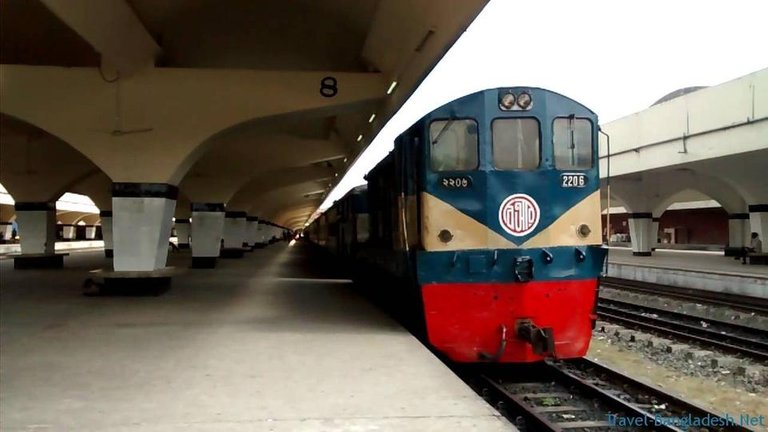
(329, 87)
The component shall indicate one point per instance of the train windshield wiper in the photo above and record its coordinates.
(572, 133)
(440, 134)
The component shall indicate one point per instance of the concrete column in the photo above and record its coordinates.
(141, 225)
(37, 227)
(738, 229)
(90, 232)
(106, 232)
(655, 233)
(68, 231)
(234, 234)
(251, 231)
(261, 239)
(182, 232)
(6, 231)
(641, 231)
(758, 223)
(206, 228)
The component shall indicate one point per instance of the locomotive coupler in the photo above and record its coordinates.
(542, 340)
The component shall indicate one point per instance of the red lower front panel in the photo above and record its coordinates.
(465, 320)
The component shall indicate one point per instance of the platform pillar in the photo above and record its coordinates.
(6, 231)
(141, 225)
(738, 229)
(206, 229)
(655, 233)
(37, 230)
(37, 227)
(758, 223)
(90, 232)
(251, 231)
(106, 232)
(68, 231)
(641, 232)
(234, 234)
(182, 232)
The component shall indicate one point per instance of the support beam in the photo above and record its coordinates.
(272, 180)
(112, 29)
(160, 103)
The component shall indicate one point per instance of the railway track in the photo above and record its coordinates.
(586, 396)
(727, 337)
(735, 301)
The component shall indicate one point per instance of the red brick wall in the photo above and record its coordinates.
(700, 226)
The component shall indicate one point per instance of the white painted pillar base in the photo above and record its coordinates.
(261, 233)
(90, 232)
(234, 229)
(251, 230)
(182, 232)
(738, 229)
(758, 223)
(641, 232)
(207, 228)
(6, 231)
(141, 225)
(106, 232)
(655, 234)
(69, 232)
(37, 227)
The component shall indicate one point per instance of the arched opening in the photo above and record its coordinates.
(690, 219)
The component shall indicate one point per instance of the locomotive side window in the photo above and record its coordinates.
(572, 139)
(516, 143)
(453, 145)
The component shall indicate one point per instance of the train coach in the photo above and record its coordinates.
(489, 209)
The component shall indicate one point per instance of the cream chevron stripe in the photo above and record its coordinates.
(437, 215)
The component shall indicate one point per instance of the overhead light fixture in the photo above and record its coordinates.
(359, 137)
(392, 87)
(336, 175)
(371, 118)
(345, 160)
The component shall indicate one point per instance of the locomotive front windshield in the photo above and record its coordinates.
(454, 145)
(516, 144)
(572, 139)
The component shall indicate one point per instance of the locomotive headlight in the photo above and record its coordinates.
(507, 101)
(583, 230)
(524, 101)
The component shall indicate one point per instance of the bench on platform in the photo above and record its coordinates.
(757, 258)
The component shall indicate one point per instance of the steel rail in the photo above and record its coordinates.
(735, 301)
(753, 348)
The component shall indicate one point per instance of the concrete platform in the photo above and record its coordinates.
(691, 269)
(277, 341)
(15, 248)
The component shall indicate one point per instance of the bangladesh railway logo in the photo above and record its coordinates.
(519, 214)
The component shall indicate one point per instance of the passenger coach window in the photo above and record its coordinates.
(572, 139)
(453, 145)
(516, 143)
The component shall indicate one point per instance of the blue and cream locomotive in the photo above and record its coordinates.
(490, 207)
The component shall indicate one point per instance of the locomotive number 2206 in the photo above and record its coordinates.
(573, 180)
(456, 182)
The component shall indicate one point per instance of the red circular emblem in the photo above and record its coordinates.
(519, 214)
